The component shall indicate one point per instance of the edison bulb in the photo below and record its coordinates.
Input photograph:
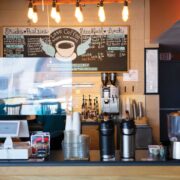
(53, 12)
(78, 14)
(125, 13)
(30, 12)
(101, 14)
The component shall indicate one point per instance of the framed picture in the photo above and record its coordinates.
(151, 71)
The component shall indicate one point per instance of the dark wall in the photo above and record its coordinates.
(169, 85)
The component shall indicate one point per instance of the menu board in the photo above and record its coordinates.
(89, 49)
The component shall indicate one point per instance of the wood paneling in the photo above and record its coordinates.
(93, 132)
(90, 173)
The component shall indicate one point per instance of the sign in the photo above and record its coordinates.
(151, 71)
(132, 75)
(90, 49)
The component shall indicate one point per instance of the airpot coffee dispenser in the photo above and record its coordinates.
(106, 140)
(127, 140)
(174, 134)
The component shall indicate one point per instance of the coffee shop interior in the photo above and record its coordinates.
(89, 83)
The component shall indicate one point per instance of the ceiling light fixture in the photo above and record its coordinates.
(101, 12)
(125, 11)
(78, 12)
(55, 11)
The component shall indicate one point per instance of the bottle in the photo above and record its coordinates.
(94, 115)
(83, 108)
(90, 108)
(97, 106)
(90, 103)
(86, 109)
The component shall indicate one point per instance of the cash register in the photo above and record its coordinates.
(14, 129)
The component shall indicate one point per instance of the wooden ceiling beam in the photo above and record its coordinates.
(49, 2)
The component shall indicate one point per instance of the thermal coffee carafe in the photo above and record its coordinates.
(106, 140)
(127, 140)
(174, 134)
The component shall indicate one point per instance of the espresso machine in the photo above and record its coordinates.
(174, 134)
(109, 94)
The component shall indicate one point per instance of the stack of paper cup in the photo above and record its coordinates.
(76, 123)
(69, 123)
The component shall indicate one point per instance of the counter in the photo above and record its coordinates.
(55, 167)
(56, 159)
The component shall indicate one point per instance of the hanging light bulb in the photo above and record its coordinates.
(78, 12)
(53, 9)
(30, 10)
(101, 12)
(58, 15)
(125, 11)
(35, 16)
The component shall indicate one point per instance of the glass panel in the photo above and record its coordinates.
(35, 86)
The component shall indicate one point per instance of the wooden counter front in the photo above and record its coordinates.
(56, 168)
(90, 173)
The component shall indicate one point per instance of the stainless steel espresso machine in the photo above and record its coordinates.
(109, 94)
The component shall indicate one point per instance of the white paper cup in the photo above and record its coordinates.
(69, 123)
(76, 123)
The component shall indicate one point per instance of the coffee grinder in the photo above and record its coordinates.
(109, 94)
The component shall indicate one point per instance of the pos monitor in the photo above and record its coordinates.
(13, 128)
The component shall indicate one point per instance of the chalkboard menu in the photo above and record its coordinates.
(90, 49)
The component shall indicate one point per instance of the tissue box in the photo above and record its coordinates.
(21, 150)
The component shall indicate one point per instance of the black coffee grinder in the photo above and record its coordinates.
(106, 139)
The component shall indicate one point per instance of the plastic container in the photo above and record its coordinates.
(174, 126)
(76, 147)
